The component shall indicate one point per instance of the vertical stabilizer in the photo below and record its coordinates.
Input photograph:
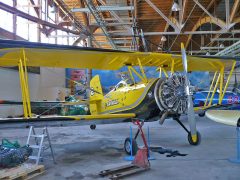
(96, 95)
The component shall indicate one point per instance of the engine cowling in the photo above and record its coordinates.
(170, 94)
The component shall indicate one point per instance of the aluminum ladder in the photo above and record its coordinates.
(39, 144)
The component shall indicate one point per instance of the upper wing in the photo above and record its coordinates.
(77, 57)
(228, 117)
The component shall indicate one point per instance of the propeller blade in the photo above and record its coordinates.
(184, 59)
(190, 112)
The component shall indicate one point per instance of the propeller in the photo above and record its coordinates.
(190, 111)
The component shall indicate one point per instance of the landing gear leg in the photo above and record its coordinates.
(191, 141)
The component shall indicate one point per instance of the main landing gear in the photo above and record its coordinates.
(191, 141)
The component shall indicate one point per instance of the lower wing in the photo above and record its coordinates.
(69, 118)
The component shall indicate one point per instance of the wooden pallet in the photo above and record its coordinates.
(24, 171)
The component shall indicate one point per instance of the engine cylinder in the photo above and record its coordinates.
(170, 94)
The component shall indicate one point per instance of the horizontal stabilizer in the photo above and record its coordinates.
(228, 117)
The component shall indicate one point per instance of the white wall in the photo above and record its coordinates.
(52, 77)
(10, 90)
(52, 82)
(10, 85)
(45, 86)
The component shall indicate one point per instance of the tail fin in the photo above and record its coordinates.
(96, 95)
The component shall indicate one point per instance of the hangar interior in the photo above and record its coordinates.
(209, 30)
(205, 27)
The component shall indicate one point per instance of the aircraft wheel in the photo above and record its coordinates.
(202, 114)
(93, 126)
(198, 139)
(127, 146)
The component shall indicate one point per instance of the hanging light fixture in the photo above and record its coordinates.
(54, 9)
(163, 39)
(175, 7)
(221, 46)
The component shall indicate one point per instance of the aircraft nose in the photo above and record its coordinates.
(170, 94)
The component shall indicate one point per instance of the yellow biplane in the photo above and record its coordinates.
(168, 96)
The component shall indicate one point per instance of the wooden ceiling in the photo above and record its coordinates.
(192, 16)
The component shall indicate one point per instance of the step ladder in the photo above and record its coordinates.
(39, 144)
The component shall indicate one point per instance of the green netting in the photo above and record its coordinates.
(12, 154)
(11, 145)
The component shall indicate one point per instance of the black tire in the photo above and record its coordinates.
(202, 114)
(127, 146)
(93, 126)
(191, 141)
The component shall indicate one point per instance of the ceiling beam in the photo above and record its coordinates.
(85, 17)
(231, 50)
(225, 39)
(24, 15)
(116, 24)
(105, 8)
(103, 3)
(220, 24)
(234, 9)
(173, 33)
(100, 21)
(176, 28)
(211, 48)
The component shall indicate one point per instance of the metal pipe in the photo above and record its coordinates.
(105, 8)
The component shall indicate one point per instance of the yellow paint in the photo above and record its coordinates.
(103, 116)
(131, 75)
(221, 86)
(194, 138)
(24, 90)
(214, 90)
(25, 113)
(26, 84)
(160, 72)
(139, 75)
(96, 95)
(142, 71)
(104, 60)
(210, 89)
(121, 98)
(172, 66)
(165, 72)
(228, 80)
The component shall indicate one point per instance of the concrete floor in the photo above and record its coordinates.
(81, 153)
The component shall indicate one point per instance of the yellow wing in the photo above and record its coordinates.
(104, 59)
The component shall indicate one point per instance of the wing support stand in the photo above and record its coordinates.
(237, 160)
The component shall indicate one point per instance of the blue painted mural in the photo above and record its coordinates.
(110, 78)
